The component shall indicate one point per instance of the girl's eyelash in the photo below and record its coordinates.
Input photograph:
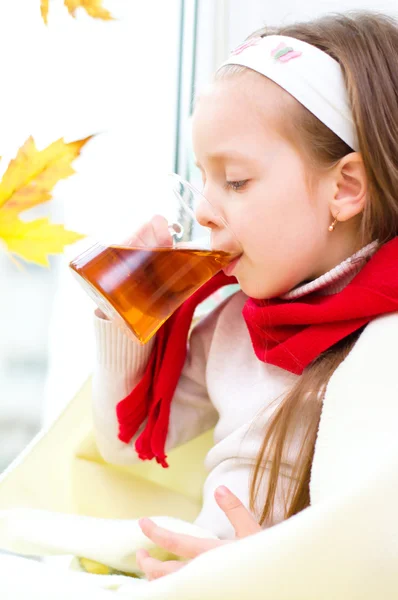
(236, 185)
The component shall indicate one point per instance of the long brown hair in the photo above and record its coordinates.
(366, 46)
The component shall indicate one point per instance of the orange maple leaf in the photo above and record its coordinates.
(27, 182)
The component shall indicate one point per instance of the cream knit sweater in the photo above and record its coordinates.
(223, 385)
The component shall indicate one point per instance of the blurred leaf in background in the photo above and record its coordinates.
(44, 10)
(93, 8)
(28, 182)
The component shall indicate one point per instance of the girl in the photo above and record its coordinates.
(296, 140)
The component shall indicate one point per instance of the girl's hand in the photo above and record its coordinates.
(155, 233)
(188, 546)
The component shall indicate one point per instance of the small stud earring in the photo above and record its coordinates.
(333, 225)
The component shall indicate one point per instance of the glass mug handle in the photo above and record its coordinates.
(176, 230)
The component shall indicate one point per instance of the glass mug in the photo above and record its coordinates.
(140, 282)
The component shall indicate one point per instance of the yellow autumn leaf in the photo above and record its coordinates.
(44, 10)
(93, 8)
(27, 182)
(32, 174)
(35, 240)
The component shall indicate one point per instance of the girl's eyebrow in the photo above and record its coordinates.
(231, 155)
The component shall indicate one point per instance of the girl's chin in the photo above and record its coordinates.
(251, 288)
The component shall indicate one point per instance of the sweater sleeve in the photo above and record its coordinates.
(119, 365)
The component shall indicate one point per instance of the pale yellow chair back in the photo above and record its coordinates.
(62, 470)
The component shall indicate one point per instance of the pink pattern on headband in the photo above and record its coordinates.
(253, 42)
(283, 52)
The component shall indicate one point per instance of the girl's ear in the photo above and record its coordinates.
(350, 184)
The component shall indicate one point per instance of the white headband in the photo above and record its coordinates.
(314, 78)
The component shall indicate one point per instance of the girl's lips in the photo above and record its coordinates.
(229, 268)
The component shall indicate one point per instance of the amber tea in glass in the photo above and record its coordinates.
(142, 287)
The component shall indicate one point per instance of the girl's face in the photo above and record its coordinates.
(256, 180)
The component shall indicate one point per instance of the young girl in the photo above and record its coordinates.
(296, 139)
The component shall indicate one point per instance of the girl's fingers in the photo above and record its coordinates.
(155, 233)
(161, 233)
(240, 518)
(154, 568)
(186, 546)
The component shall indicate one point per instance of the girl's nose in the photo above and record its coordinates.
(206, 215)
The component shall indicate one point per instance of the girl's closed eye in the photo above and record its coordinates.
(236, 185)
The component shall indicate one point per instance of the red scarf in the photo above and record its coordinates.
(287, 333)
